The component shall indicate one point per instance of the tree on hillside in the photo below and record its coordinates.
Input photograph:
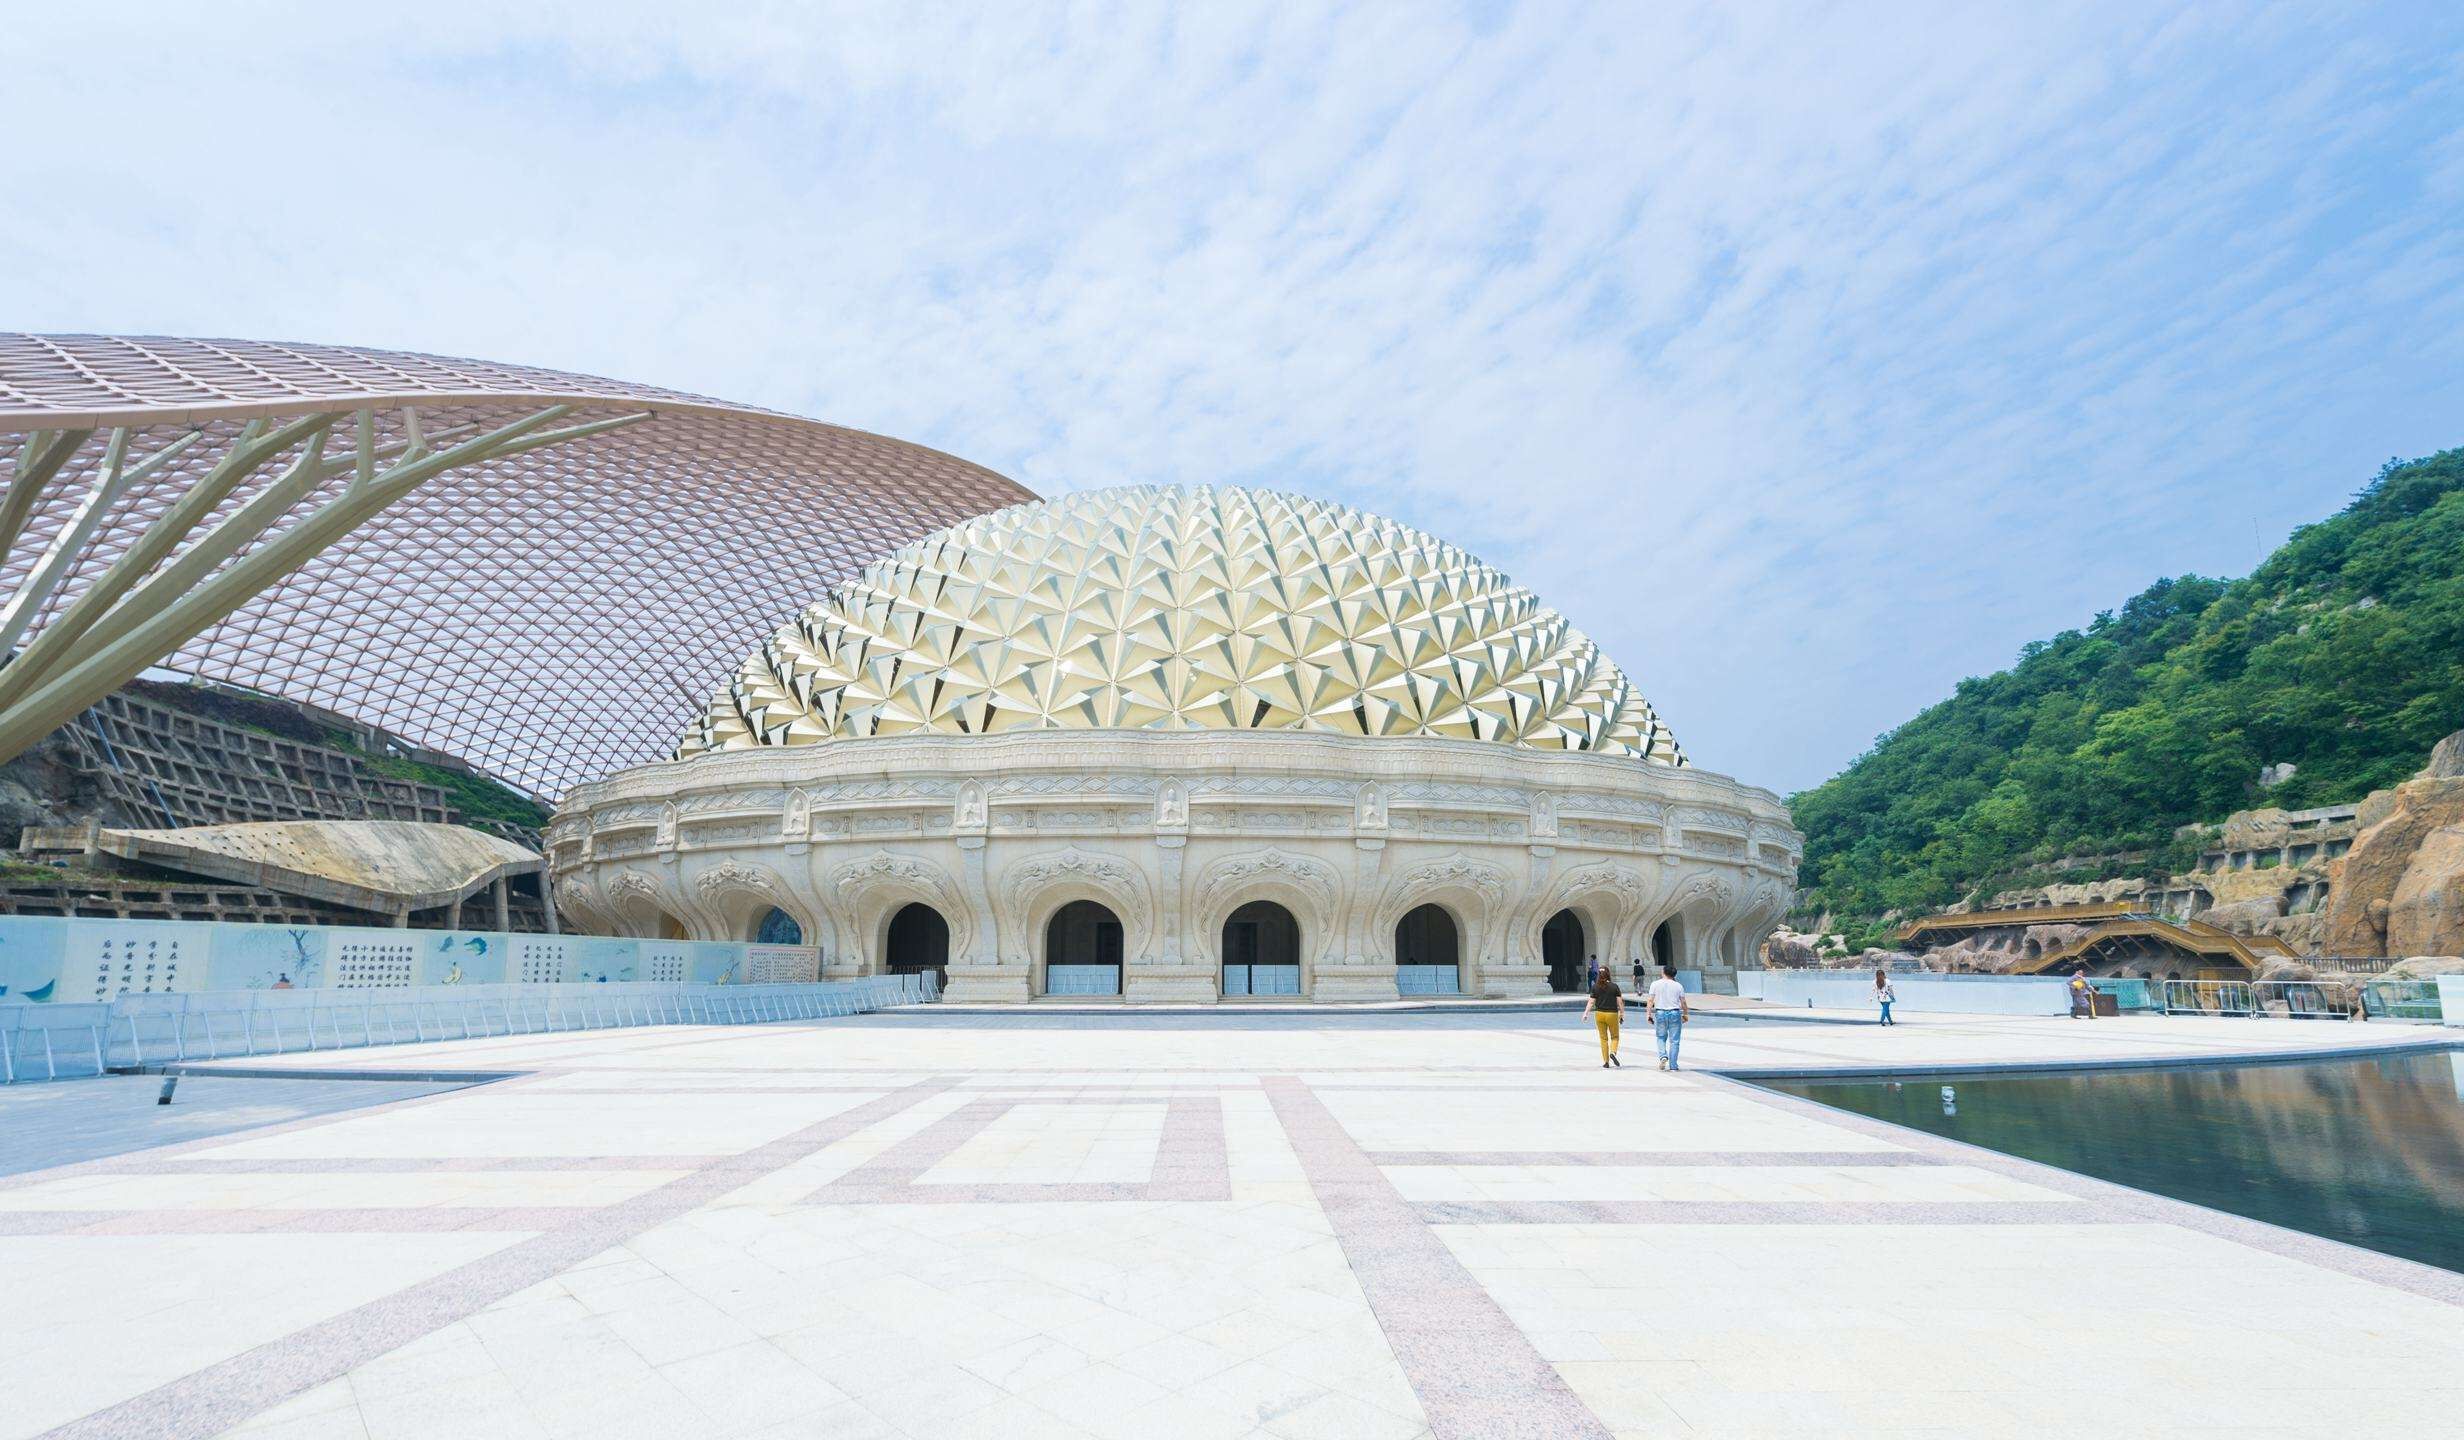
(2343, 653)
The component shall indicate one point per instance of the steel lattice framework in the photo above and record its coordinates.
(1147, 608)
(550, 604)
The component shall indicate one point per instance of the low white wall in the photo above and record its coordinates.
(1934, 994)
(2451, 998)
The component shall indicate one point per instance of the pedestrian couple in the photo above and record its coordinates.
(1664, 1005)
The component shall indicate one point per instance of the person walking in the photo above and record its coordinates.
(1668, 1010)
(1607, 1009)
(2082, 996)
(1883, 993)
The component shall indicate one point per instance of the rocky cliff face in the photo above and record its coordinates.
(2401, 890)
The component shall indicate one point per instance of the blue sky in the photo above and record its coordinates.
(1810, 359)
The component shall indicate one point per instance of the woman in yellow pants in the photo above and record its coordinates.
(1607, 1009)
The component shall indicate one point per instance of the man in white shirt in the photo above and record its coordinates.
(1667, 1007)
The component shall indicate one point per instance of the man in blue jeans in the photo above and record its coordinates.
(1666, 1005)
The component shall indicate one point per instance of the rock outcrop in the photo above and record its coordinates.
(2446, 759)
(2401, 889)
(2246, 917)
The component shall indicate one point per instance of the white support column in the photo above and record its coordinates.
(135, 615)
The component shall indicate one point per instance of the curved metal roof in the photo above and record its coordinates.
(1215, 608)
(551, 616)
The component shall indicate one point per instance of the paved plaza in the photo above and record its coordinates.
(944, 1226)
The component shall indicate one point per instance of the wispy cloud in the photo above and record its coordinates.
(1811, 360)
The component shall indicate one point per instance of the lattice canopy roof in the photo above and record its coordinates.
(1202, 609)
(551, 616)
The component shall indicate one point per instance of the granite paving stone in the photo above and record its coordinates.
(933, 1226)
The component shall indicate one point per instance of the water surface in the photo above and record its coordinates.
(2368, 1151)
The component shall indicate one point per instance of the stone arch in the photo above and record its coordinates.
(1568, 949)
(1756, 911)
(641, 910)
(1263, 944)
(775, 926)
(1103, 936)
(1308, 887)
(1032, 889)
(580, 906)
(907, 939)
(732, 897)
(1472, 892)
(1697, 908)
(872, 890)
(1610, 898)
(1430, 935)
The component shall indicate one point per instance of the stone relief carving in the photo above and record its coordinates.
(1455, 872)
(1108, 875)
(1221, 883)
(971, 805)
(730, 875)
(881, 867)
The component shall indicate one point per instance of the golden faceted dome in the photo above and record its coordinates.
(1153, 608)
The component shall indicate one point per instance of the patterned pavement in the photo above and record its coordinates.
(920, 1225)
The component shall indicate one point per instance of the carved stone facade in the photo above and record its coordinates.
(1171, 832)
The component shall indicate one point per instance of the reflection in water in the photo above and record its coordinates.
(2366, 1151)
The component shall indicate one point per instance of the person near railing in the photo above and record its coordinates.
(1883, 993)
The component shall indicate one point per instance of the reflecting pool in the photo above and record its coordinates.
(2367, 1151)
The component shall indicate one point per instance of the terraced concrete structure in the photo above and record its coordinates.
(1177, 744)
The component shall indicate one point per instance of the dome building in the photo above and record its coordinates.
(1174, 744)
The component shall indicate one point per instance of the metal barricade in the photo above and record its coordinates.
(45, 1034)
(49, 1041)
(2210, 997)
(2305, 999)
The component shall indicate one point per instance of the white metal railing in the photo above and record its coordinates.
(49, 1041)
(2307, 999)
(2211, 997)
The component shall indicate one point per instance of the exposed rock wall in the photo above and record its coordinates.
(2401, 890)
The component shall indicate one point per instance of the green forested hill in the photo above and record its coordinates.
(2343, 653)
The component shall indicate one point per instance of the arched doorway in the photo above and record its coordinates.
(1261, 951)
(778, 928)
(1664, 944)
(1428, 953)
(918, 941)
(1561, 945)
(1082, 950)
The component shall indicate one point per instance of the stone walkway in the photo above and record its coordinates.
(921, 1225)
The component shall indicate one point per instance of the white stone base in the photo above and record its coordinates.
(1504, 982)
(985, 985)
(1171, 832)
(1177, 984)
(1356, 982)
